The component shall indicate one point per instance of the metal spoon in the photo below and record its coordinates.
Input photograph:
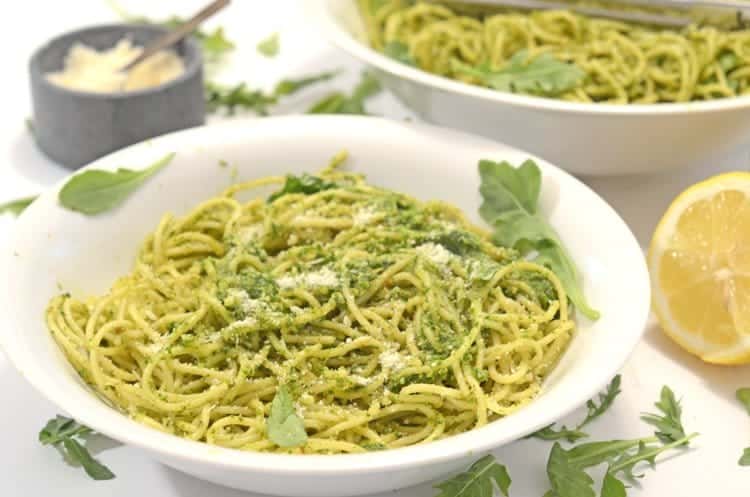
(177, 34)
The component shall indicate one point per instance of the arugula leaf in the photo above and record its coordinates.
(612, 487)
(567, 479)
(549, 433)
(626, 462)
(606, 399)
(509, 203)
(479, 480)
(400, 52)
(743, 395)
(745, 458)
(339, 103)
(543, 75)
(95, 191)
(63, 430)
(239, 96)
(60, 428)
(306, 183)
(16, 207)
(592, 454)
(270, 46)
(284, 426)
(93, 468)
(668, 424)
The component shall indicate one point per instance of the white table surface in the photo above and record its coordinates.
(28, 469)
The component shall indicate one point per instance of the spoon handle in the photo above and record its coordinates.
(178, 33)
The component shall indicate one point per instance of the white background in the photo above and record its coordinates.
(28, 469)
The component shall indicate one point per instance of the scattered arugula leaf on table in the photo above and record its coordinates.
(479, 480)
(16, 207)
(284, 427)
(64, 432)
(669, 422)
(269, 47)
(94, 191)
(543, 75)
(509, 203)
(400, 52)
(340, 103)
(743, 395)
(239, 96)
(606, 399)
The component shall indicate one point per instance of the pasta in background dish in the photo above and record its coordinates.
(619, 62)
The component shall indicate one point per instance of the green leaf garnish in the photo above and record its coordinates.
(339, 103)
(743, 395)
(566, 478)
(543, 75)
(612, 487)
(284, 427)
(270, 46)
(17, 206)
(669, 423)
(306, 184)
(479, 480)
(509, 204)
(239, 96)
(551, 433)
(94, 191)
(61, 431)
(606, 399)
(400, 52)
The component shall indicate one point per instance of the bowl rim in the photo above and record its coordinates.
(193, 60)
(465, 444)
(322, 16)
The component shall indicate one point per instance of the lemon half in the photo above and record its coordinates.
(699, 260)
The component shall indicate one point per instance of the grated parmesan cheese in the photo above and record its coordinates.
(392, 360)
(250, 233)
(364, 215)
(434, 252)
(323, 277)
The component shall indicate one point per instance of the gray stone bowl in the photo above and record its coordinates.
(76, 127)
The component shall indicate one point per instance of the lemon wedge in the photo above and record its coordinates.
(699, 260)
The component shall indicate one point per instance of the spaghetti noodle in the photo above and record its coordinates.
(623, 62)
(390, 321)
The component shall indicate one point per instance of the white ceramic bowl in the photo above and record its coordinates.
(53, 246)
(586, 139)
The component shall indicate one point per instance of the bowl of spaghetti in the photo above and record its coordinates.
(269, 319)
(597, 97)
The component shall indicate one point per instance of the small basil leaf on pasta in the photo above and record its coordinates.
(16, 207)
(478, 481)
(270, 46)
(543, 75)
(509, 203)
(284, 427)
(95, 191)
(305, 183)
(400, 52)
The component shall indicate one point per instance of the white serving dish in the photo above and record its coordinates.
(585, 139)
(55, 248)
